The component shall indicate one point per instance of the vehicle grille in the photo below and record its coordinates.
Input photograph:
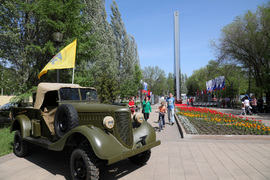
(124, 127)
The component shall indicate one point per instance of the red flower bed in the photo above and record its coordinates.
(210, 117)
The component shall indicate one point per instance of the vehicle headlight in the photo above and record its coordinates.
(139, 118)
(108, 122)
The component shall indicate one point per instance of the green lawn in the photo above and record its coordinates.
(6, 140)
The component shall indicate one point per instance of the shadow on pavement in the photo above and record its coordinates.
(52, 161)
(57, 163)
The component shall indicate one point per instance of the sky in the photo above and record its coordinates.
(201, 21)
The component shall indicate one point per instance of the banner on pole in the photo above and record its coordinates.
(215, 84)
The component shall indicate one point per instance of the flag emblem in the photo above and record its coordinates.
(63, 60)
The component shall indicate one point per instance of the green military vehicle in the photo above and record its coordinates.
(71, 115)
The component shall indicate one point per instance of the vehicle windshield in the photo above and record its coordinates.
(89, 94)
(73, 94)
(69, 94)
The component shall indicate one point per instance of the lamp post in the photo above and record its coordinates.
(57, 37)
(141, 92)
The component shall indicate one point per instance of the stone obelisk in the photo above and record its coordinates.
(177, 72)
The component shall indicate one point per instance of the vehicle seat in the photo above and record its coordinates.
(48, 116)
(48, 108)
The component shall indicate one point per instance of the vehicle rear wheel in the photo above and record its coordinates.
(141, 159)
(83, 165)
(20, 147)
(66, 118)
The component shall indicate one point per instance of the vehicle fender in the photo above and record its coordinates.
(145, 129)
(22, 123)
(104, 144)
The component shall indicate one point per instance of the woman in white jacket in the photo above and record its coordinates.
(247, 106)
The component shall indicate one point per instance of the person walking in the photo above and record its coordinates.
(162, 110)
(243, 111)
(146, 108)
(247, 106)
(254, 104)
(170, 106)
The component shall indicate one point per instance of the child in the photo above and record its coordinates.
(162, 111)
(243, 111)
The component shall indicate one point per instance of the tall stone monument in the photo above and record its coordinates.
(177, 72)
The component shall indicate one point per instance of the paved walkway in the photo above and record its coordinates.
(194, 157)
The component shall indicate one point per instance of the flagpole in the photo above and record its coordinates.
(73, 75)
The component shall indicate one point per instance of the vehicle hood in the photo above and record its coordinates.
(84, 107)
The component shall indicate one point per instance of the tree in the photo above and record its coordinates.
(236, 79)
(26, 37)
(120, 41)
(27, 44)
(183, 83)
(192, 85)
(107, 89)
(170, 83)
(156, 80)
(7, 79)
(245, 41)
(125, 46)
(105, 58)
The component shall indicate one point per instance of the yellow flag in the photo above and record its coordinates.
(63, 60)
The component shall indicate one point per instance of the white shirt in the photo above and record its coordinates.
(246, 102)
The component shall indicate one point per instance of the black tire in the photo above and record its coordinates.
(141, 159)
(66, 118)
(20, 147)
(84, 165)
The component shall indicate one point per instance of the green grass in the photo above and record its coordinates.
(6, 140)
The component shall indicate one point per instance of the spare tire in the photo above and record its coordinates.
(66, 118)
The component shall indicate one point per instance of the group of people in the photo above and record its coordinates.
(169, 107)
(249, 106)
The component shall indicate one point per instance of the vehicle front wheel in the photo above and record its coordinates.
(141, 159)
(20, 147)
(83, 165)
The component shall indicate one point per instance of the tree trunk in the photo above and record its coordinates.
(267, 101)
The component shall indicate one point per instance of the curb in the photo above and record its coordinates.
(180, 126)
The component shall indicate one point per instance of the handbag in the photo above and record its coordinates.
(142, 110)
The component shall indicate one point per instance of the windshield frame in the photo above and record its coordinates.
(80, 96)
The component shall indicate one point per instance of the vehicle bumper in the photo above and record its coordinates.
(132, 152)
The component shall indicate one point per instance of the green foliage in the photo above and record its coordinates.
(192, 85)
(107, 89)
(25, 96)
(6, 137)
(131, 87)
(137, 75)
(245, 41)
(183, 83)
(235, 79)
(125, 46)
(27, 45)
(26, 38)
(83, 77)
(170, 83)
(127, 89)
(156, 79)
